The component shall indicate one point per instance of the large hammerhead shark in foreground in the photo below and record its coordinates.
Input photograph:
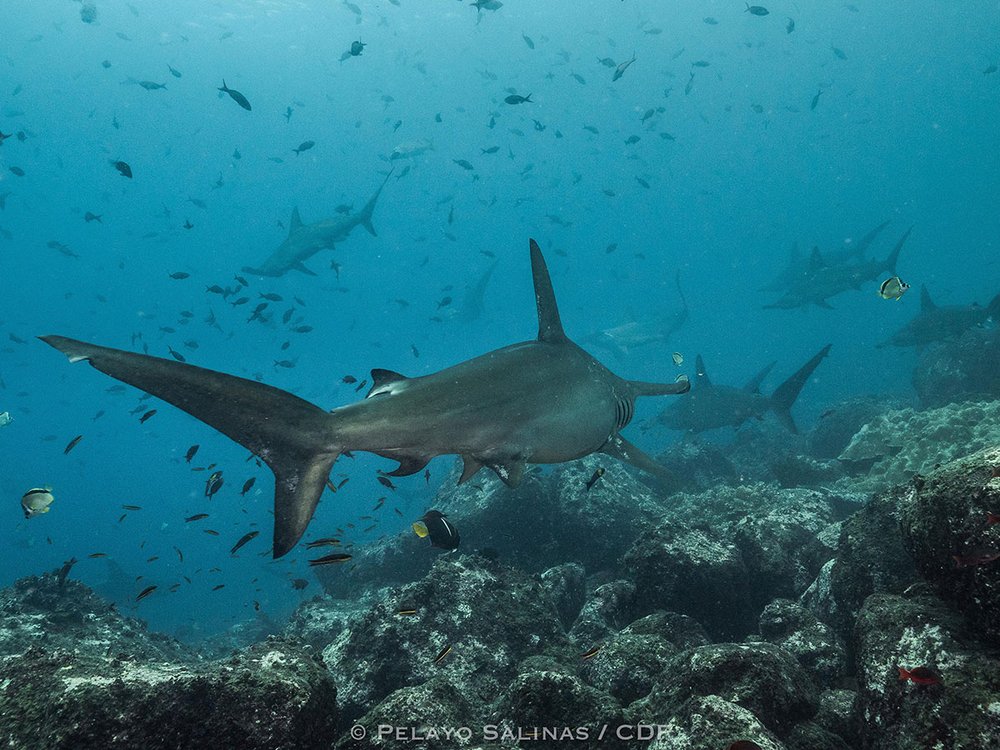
(544, 401)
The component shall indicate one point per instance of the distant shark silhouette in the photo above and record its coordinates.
(305, 240)
(825, 279)
(798, 267)
(542, 401)
(940, 323)
(623, 338)
(711, 406)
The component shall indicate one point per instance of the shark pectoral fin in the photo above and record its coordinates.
(300, 266)
(470, 467)
(293, 436)
(620, 448)
(408, 465)
(297, 489)
(510, 472)
(681, 385)
(824, 304)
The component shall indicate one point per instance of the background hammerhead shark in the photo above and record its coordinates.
(543, 401)
(305, 240)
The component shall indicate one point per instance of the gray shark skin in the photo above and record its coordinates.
(798, 266)
(540, 401)
(621, 339)
(824, 279)
(934, 323)
(305, 240)
(711, 406)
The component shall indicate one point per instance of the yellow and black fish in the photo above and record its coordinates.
(442, 532)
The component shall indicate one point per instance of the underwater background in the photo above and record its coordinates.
(674, 191)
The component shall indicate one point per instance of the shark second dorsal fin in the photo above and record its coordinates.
(295, 222)
(926, 303)
(549, 325)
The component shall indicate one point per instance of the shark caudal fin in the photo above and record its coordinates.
(365, 216)
(889, 264)
(291, 435)
(786, 393)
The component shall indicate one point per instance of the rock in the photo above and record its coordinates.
(492, 616)
(566, 585)
(629, 665)
(710, 723)
(434, 714)
(698, 465)
(960, 713)
(693, 572)
(318, 621)
(841, 422)
(606, 611)
(562, 705)
(947, 529)
(959, 370)
(870, 559)
(813, 644)
(900, 444)
(680, 631)
(761, 678)
(810, 736)
(781, 549)
(838, 715)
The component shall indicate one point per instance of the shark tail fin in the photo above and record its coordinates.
(290, 434)
(365, 217)
(786, 393)
(889, 265)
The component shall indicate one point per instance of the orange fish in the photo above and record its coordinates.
(920, 676)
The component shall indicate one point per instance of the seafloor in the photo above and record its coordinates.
(773, 599)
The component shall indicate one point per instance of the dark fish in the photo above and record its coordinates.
(299, 583)
(95, 555)
(386, 482)
(839, 53)
(17, 171)
(196, 517)
(123, 168)
(443, 654)
(338, 557)
(590, 653)
(435, 526)
(304, 146)
(348, 379)
(527, 40)
(518, 99)
(174, 72)
(218, 586)
(64, 570)
(463, 164)
(329, 541)
(145, 592)
(790, 26)
(89, 217)
(620, 70)
(302, 329)
(211, 532)
(756, 10)
(247, 485)
(579, 78)
(152, 85)
(249, 536)
(236, 96)
(72, 444)
(131, 507)
(815, 100)
(406, 612)
(190, 452)
(593, 479)
(427, 476)
(176, 355)
(270, 296)
(919, 676)
(149, 414)
(214, 484)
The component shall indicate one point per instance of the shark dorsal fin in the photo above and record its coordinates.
(700, 376)
(385, 381)
(549, 326)
(295, 222)
(926, 303)
(816, 259)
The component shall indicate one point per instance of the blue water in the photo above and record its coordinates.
(905, 129)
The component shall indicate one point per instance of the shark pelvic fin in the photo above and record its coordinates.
(510, 472)
(549, 325)
(470, 467)
(408, 465)
(300, 266)
(290, 434)
(754, 385)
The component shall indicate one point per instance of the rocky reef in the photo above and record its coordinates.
(796, 618)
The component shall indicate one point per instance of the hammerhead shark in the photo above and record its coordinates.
(635, 333)
(825, 279)
(543, 401)
(305, 240)
(711, 406)
(942, 322)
